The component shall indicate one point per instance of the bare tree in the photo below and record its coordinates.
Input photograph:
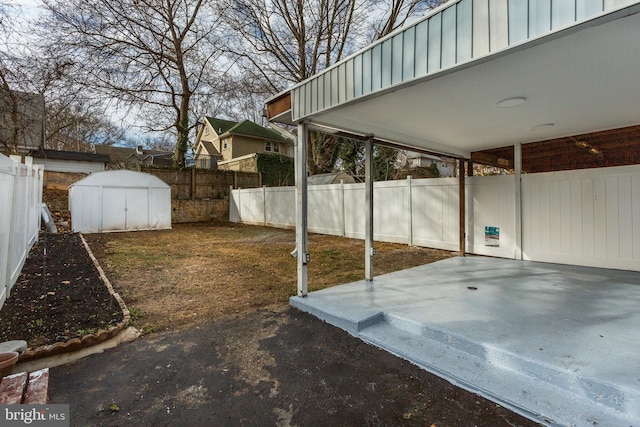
(393, 14)
(286, 41)
(283, 42)
(78, 127)
(151, 55)
(21, 110)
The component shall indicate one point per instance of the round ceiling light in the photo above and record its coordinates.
(543, 126)
(511, 102)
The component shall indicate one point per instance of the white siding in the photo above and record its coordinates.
(456, 33)
(70, 166)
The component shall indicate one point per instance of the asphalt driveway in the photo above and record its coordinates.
(262, 368)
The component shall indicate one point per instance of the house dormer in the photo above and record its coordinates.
(226, 140)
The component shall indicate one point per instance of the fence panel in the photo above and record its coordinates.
(435, 213)
(391, 211)
(491, 216)
(325, 209)
(250, 206)
(354, 213)
(279, 203)
(20, 204)
(588, 217)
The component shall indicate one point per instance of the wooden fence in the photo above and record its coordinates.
(196, 184)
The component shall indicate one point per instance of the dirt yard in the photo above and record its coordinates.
(196, 272)
(221, 344)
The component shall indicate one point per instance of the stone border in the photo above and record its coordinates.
(75, 344)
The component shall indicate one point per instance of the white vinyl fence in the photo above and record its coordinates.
(589, 217)
(421, 212)
(20, 204)
(586, 217)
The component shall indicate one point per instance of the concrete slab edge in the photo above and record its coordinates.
(544, 390)
(352, 326)
(605, 393)
(421, 350)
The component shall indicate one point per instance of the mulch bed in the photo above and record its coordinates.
(58, 296)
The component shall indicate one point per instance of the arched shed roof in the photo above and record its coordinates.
(121, 178)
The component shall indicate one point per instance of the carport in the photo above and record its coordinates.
(493, 81)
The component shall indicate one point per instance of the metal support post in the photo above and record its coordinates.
(368, 201)
(517, 172)
(462, 205)
(301, 208)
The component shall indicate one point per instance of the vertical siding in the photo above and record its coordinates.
(480, 28)
(461, 31)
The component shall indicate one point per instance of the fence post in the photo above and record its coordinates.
(239, 207)
(410, 210)
(193, 183)
(12, 226)
(264, 205)
(344, 214)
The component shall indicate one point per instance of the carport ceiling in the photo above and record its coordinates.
(574, 82)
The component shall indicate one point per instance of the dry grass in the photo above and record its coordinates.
(194, 272)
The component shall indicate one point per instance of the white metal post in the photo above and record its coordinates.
(410, 210)
(517, 172)
(301, 208)
(368, 201)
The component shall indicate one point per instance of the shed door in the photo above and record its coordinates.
(125, 209)
(137, 209)
(114, 205)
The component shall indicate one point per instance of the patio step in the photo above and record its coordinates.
(525, 386)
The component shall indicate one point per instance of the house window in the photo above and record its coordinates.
(206, 130)
(224, 146)
(267, 146)
(276, 147)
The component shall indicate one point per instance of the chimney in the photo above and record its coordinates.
(139, 149)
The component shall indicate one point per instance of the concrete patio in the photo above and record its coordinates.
(556, 343)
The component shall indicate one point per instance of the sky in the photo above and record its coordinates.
(26, 8)
(29, 9)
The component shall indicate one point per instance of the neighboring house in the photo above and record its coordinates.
(21, 122)
(331, 178)
(62, 168)
(207, 155)
(221, 140)
(130, 158)
(446, 165)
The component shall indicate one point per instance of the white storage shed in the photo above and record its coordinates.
(119, 201)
